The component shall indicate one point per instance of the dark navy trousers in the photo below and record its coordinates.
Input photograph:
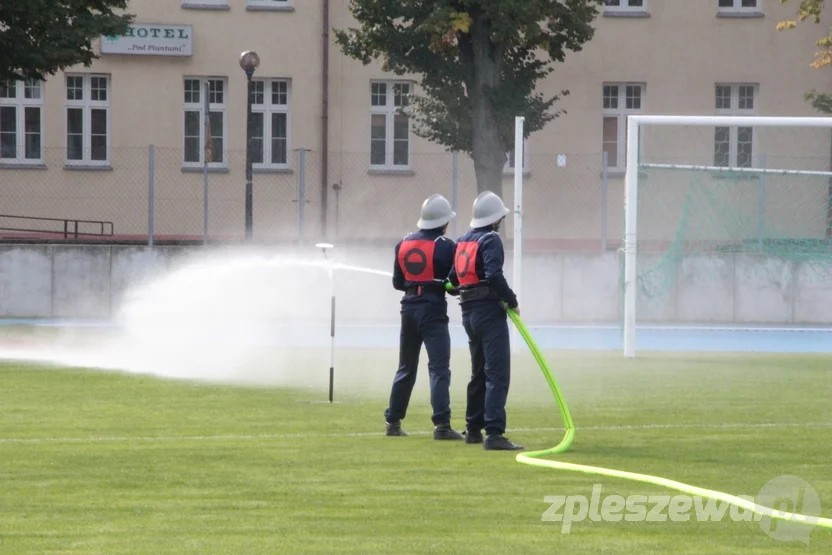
(486, 324)
(423, 322)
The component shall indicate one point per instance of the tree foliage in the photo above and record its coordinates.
(822, 102)
(479, 63)
(40, 37)
(812, 9)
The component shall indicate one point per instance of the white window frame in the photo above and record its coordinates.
(735, 110)
(621, 112)
(205, 3)
(267, 109)
(508, 169)
(21, 103)
(626, 7)
(737, 7)
(390, 110)
(200, 107)
(88, 105)
(269, 3)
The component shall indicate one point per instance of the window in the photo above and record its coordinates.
(270, 123)
(625, 5)
(738, 6)
(619, 101)
(509, 167)
(389, 130)
(195, 121)
(87, 119)
(734, 146)
(21, 122)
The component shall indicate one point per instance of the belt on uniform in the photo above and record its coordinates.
(477, 293)
(419, 290)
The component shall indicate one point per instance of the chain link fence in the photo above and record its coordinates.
(569, 201)
(148, 194)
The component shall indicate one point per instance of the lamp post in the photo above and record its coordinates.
(249, 61)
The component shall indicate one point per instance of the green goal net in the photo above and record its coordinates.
(729, 216)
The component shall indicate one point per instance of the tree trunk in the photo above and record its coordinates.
(489, 159)
(488, 151)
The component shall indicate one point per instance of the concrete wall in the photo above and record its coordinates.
(55, 281)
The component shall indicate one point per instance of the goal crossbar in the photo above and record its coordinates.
(734, 170)
(631, 187)
(745, 121)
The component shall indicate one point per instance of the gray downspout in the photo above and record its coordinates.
(324, 115)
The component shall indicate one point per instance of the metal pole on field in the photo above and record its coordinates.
(518, 210)
(324, 247)
(454, 190)
(604, 189)
(301, 193)
(332, 337)
(206, 159)
(151, 193)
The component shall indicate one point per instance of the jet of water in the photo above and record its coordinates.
(220, 319)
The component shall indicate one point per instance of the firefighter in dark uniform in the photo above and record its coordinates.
(478, 274)
(424, 260)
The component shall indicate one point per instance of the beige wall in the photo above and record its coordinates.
(679, 52)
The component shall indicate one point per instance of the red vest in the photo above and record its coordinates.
(465, 263)
(416, 260)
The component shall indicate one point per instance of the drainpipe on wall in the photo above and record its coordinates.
(324, 115)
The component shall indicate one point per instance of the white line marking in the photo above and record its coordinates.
(413, 433)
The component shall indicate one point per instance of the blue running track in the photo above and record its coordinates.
(761, 339)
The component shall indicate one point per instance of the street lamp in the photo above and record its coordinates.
(249, 61)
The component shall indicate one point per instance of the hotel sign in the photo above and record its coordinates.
(152, 40)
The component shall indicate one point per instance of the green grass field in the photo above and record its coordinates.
(99, 462)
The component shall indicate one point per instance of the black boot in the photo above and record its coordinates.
(473, 438)
(444, 431)
(395, 429)
(496, 442)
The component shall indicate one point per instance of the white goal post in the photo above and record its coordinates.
(631, 184)
(519, 158)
